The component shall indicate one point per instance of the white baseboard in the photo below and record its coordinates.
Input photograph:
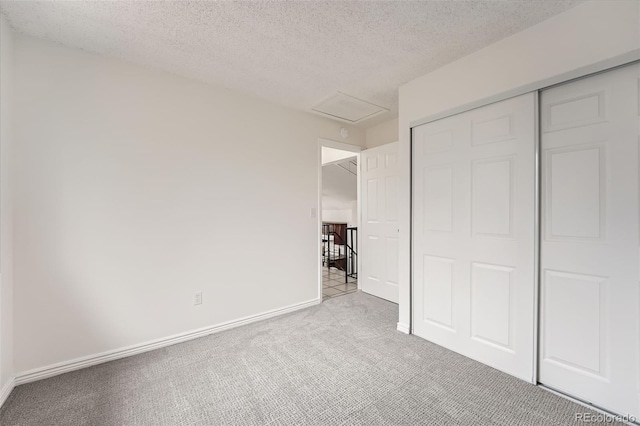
(6, 390)
(403, 328)
(88, 361)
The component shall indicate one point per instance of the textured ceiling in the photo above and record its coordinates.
(293, 53)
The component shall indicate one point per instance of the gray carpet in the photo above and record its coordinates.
(339, 363)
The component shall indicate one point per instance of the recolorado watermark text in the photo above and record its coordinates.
(603, 418)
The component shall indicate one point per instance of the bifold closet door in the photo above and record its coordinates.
(474, 234)
(589, 259)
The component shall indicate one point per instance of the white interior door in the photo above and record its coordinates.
(474, 234)
(590, 297)
(379, 206)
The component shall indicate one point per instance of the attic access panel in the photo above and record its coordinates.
(347, 108)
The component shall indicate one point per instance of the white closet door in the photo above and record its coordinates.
(473, 240)
(379, 205)
(590, 292)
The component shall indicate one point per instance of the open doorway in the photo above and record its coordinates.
(339, 218)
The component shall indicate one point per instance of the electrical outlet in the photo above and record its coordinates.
(197, 298)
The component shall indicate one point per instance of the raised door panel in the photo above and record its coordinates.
(575, 192)
(391, 261)
(371, 162)
(374, 256)
(438, 291)
(580, 109)
(491, 130)
(492, 305)
(436, 142)
(575, 314)
(492, 199)
(391, 198)
(438, 199)
(372, 202)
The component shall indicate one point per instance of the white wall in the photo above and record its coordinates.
(6, 269)
(382, 134)
(349, 216)
(339, 195)
(330, 155)
(136, 188)
(589, 33)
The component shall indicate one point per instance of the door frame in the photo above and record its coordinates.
(344, 147)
